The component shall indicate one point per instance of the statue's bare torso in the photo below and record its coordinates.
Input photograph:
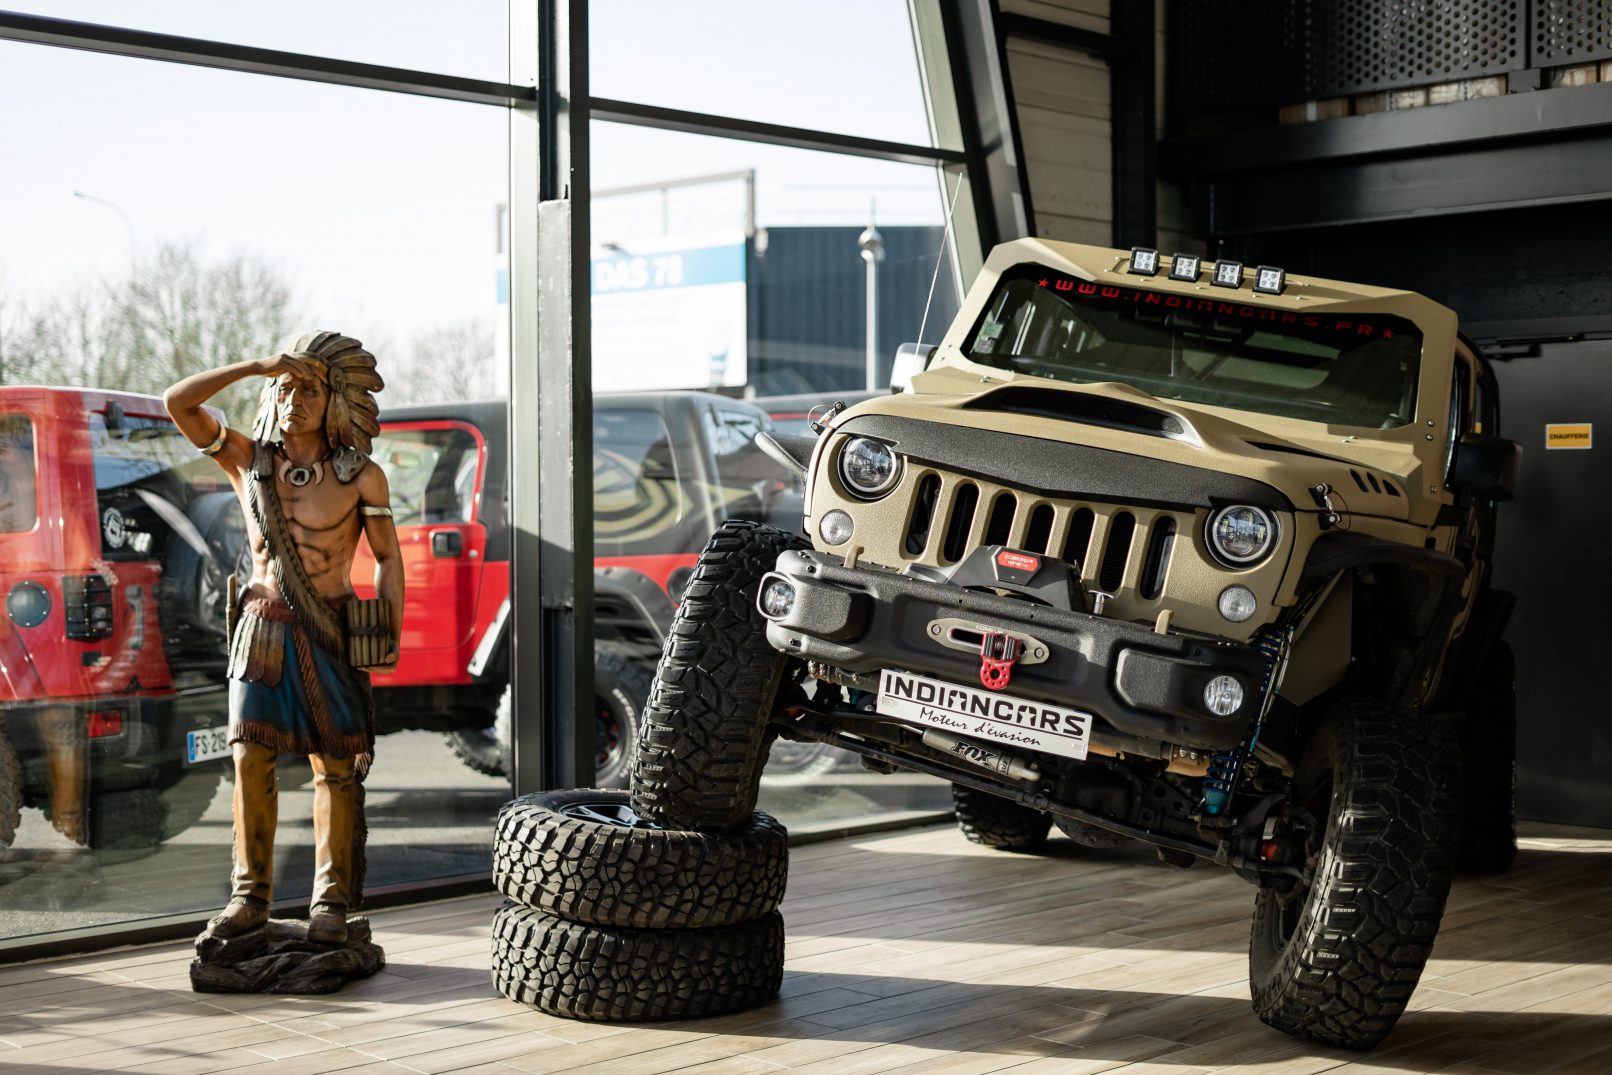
(324, 523)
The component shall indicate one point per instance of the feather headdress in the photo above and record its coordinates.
(348, 371)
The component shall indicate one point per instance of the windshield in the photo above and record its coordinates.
(636, 492)
(1342, 369)
(18, 508)
(431, 474)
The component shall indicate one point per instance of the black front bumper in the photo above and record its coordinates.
(1138, 682)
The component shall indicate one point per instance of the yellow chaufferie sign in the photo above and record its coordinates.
(1569, 434)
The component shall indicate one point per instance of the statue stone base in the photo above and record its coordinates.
(278, 958)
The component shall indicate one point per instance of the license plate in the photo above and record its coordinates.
(205, 744)
(999, 718)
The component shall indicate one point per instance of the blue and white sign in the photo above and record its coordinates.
(670, 313)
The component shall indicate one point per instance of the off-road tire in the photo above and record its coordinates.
(10, 788)
(634, 975)
(704, 736)
(602, 874)
(485, 750)
(191, 596)
(1339, 962)
(620, 688)
(992, 821)
(1489, 766)
(125, 825)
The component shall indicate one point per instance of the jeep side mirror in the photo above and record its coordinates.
(1486, 466)
(911, 359)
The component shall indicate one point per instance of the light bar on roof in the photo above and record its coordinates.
(1144, 261)
(1269, 280)
(1227, 274)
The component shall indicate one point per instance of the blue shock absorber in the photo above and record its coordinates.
(1221, 779)
(1218, 781)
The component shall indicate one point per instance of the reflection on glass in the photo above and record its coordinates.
(116, 538)
(18, 498)
(736, 266)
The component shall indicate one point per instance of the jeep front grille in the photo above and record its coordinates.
(1117, 549)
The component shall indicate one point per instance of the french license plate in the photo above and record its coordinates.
(999, 718)
(205, 744)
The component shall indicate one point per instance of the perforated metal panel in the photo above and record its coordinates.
(1571, 31)
(1228, 56)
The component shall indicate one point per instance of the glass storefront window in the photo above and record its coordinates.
(221, 216)
(847, 66)
(742, 298)
(414, 34)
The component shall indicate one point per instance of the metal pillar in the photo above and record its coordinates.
(551, 400)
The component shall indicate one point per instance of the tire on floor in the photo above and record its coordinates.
(630, 975)
(578, 855)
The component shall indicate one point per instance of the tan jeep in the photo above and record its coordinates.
(1195, 555)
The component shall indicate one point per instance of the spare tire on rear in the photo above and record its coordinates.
(585, 856)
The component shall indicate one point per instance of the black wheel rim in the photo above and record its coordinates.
(606, 812)
(1291, 906)
(608, 752)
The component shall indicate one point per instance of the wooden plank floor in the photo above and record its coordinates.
(907, 952)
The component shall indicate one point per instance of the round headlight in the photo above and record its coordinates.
(1242, 535)
(869, 468)
(777, 599)
(836, 528)
(1222, 696)
(28, 604)
(1237, 603)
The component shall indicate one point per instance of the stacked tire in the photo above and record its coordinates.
(662, 903)
(610, 918)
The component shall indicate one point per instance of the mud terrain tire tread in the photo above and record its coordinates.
(703, 738)
(10, 788)
(992, 821)
(1489, 766)
(600, 874)
(625, 975)
(1364, 933)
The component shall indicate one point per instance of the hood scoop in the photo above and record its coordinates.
(1086, 408)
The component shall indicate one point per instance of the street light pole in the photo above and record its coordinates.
(872, 246)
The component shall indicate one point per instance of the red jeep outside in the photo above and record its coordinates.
(668, 468)
(115, 538)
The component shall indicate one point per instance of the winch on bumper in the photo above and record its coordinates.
(1139, 682)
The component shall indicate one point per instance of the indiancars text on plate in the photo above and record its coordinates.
(999, 718)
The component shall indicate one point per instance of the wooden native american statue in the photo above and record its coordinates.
(301, 645)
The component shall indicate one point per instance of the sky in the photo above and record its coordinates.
(381, 208)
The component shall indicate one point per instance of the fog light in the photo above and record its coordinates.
(1237, 603)
(836, 528)
(777, 599)
(1223, 696)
